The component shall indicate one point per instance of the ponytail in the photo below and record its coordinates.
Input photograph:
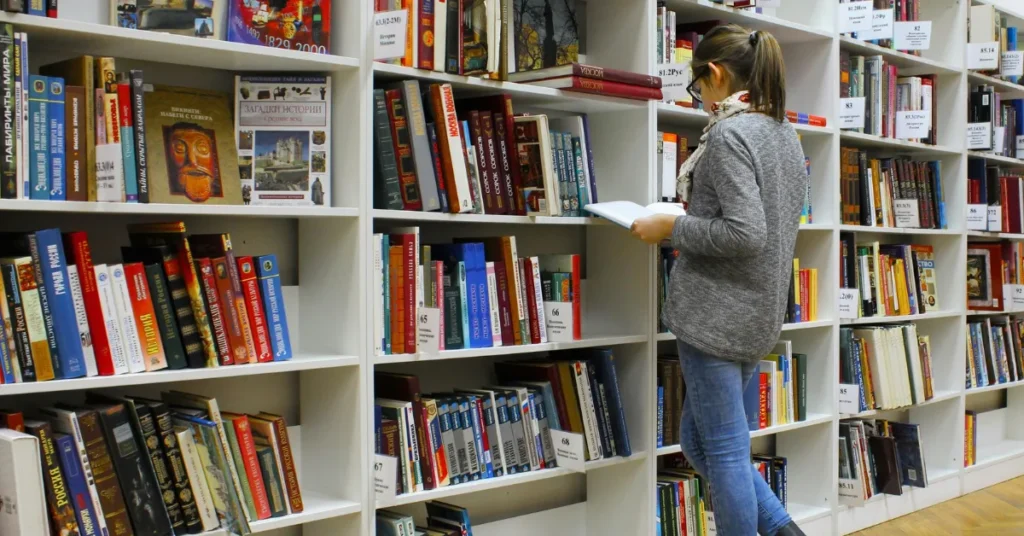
(754, 61)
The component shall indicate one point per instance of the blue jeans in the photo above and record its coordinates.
(716, 440)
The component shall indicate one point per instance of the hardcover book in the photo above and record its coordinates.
(254, 309)
(58, 498)
(23, 296)
(273, 306)
(48, 254)
(302, 25)
(76, 488)
(283, 133)
(218, 248)
(195, 18)
(21, 482)
(546, 34)
(111, 500)
(189, 139)
(146, 322)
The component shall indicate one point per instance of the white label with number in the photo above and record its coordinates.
(389, 29)
(558, 317)
(913, 35)
(1020, 146)
(569, 450)
(979, 135)
(855, 16)
(995, 218)
(916, 124)
(977, 217)
(385, 478)
(983, 56)
(850, 489)
(1013, 63)
(849, 303)
(709, 524)
(428, 329)
(849, 398)
(851, 112)
(881, 26)
(1014, 299)
(998, 140)
(674, 79)
(907, 214)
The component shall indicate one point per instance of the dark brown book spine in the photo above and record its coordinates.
(291, 478)
(509, 162)
(176, 464)
(58, 499)
(615, 75)
(268, 467)
(477, 139)
(494, 162)
(103, 473)
(77, 182)
(160, 470)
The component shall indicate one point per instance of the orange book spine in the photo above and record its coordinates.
(396, 277)
(145, 317)
(805, 309)
(254, 309)
(247, 445)
(217, 314)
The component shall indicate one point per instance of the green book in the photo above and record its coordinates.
(800, 361)
(165, 317)
(268, 466)
(239, 461)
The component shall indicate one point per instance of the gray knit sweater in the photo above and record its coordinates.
(727, 293)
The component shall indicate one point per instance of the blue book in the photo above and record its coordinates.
(657, 513)
(476, 309)
(74, 476)
(131, 177)
(384, 247)
(44, 304)
(1011, 46)
(377, 417)
(457, 514)
(571, 174)
(478, 279)
(273, 306)
(55, 115)
(661, 416)
(39, 137)
(604, 360)
(940, 200)
(483, 455)
(37, 7)
(581, 177)
(751, 403)
(979, 355)
(444, 420)
(48, 246)
(858, 372)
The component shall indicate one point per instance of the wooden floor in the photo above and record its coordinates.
(998, 510)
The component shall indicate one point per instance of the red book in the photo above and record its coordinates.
(505, 136)
(403, 150)
(284, 450)
(254, 309)
(425, 39)
(531, 300)
(226, 293)
(397, 305)
(805, 305)
(504, 311)
(485, 440)
(495, 163)
(602, 87)
(145, 317)
(77, 247)
(482, 162)
(763, 390)
(13, 420)
(217, 313)
(592, 72)
(408, 268)
(247, 446)
(816, 121)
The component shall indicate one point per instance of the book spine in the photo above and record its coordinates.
(614, 75)
(519, 433)
(505, 314)
(126, 319)
(615, 89)
(158, 462)
(197, 478)
(127, 134)
(275, 494)
(195, 295)
(35, 263)
(51, 266)
(112, 326)
(409, 282)
(424, 444)
(483, 447)
(240, 307)
(39, 135)
(176, 467)
(9, 368)
(435, 158)
(74, 143)
(273, 306)
(137, 112)
(603, 417)
(453, 46)
(530, 415)
(531, 301)
(204, 267)
(291, 483)
(495, 307)
(508, 443)
(388, 189)
(146, 323)
(234, 457)
(190, 338)
(77, 491)
(469, 446)
(498, 175)
(35, 325)
(418, 138)
(538, 298)
(82, 259)
(9, 168)
(516, 296)
(104, 476)
(163, 309)
(232, 322)
(400, 137)
(81, 320)
(55, 117)
(452, 155)
(426, 35)
(247, 449)
(58, 499)
(20, 134)
(254, 309)
(504, 131)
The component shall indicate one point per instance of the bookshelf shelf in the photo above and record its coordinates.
(897, 230)
(1004, 160)
(315, 508)
(898, 319)
(905, 62)
(667, 336)
(674, 115)
(939, 396)
(1008, 90)
(802, 513)
(868, 141)
(785, 31)
(994, 453)
(995, 387)
(806, 325)
(816, 227)
(412, 215)
(594, 342)
(993, 236)
(160, 209)
(813, 419)
(669, 449)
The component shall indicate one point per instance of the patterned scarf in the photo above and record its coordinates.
(734, 104)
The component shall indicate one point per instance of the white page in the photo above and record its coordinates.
(624, 213)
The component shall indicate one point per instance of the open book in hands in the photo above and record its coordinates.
(624, 213)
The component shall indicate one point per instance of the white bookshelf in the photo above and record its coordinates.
(326, 391)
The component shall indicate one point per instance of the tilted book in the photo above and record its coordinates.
(21, 483)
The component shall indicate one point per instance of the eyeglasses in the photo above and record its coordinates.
(693, 89)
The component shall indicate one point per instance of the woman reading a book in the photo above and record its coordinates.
(744, 187)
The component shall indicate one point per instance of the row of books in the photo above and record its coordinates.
(666, 261)
(997, 187)
(886, 94)
(970, 438)
(672, 152)
(484, 159)
(892, 279)
(683, 505)
(671, 396)
(878, 456)
(990, 266)
(994, 352)
(802, 302)
(777, 393)
(890, 365)
(676, 46)
(987, 25)
(487, 295)
(446, 439)
(903, 11)
(124, 465)
(176, 301)
(891, 192)
(303, 26)
(84, 133)
(40, 8)
(1005, 120)
(443, 519)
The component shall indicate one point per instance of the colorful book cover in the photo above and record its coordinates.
(58, 500)
(48, 246)
(254, 309)
(301, 25)
(39, 158)
(55, 117)
(76, 485)
(194, 18)
(273, 306)
(9, 167)
(145, 317)
(131, 182)
(545, 33)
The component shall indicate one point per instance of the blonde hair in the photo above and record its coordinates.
(754, 61)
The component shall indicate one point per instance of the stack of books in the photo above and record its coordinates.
(176, 301)
(683, 506)
(488, 432)
(886, 93)
(122, 464)
(802, 303)
(986, 25)
(432, 153)
(990, 266)
(777, 394)
(487, 294)
(443, 519)
(994, 353)
(1000, 187)
(891, 365)
(1004, 117)
(878, 456)
(890, 192)
(893, 279)
(775, 471)
(593, 79)
(903, 11)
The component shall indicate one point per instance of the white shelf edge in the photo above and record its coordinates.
(749, 17)
(414, 215)
(894, 56)
(315, 508)
(864, 229)
(1006, 450)
(509, 350)
(297, 363)
(1007, 89)
(899, 319)
(993, 234)
(1016, 162)
(870, 140)
(816, 227)
(938, 396)
(804, 513)
(666, 336)
(996, 387)
(793, 326)
(167, 209)
(813, 419)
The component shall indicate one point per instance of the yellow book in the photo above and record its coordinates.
(796, 285)
(35, 324)
(865, 367)
(780, 397)
(900, 274)
(813, 292)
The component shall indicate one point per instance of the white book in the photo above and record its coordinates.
(475, 191)
(784, 349)
(493, 430)
(82, 321)
(378, 294)
(893, 360)
(440, 33)
(66, 422)
(492, 297)
(548, 205)
(902, 364)
(405, 449)
(492, 9)
(624, 213)
(538, 297)
(589, 411)
(126, 319)
(914, 361)
(197, 478)
(118, 352)
(574, 126)
(448, 126)
(531, 434)
(21, 485)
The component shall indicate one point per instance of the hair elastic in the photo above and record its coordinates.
(753, 38)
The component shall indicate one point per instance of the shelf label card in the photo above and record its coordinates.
(1014, 299)
(428, 329)
(1012, 64)
(389, 34)
(1020, 145)
(855, 16)
(709, 520)
(907, 216)
(674, 79)
(569, 450)
(995, 218)
(559, 321)
(979, 135)
(977, 217)
(851, 111)
(384, 478)
(849, 398)
(849, 303)
(881, 26)
(983, 56)
(109, 173)
(851, 491)
(913, 35)
(915, 124)
(998, 140)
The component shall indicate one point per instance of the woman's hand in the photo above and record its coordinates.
(653, 229)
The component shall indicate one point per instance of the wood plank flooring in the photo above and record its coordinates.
(998, 510)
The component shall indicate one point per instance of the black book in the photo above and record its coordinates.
(142, 495)
(274, 491)
(175, 463)
(139, 129)
(8, 167)
(165, 316)
(145, 427)
(603, 426)
(58, 497)
(190, 340)
(453, 46)
(19, 324)
(452, 307)
(387, 186)
(885, 465)
(910, 454)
